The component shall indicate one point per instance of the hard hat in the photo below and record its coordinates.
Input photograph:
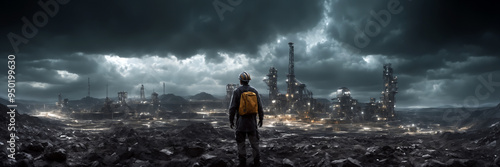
(244, 76)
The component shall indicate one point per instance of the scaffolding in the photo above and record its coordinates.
(122, 97)
(277, 100)
(272, 83)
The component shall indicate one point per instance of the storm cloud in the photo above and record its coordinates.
(439, 50)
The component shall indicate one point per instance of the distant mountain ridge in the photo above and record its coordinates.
(203, 96)
(21, 108)
(171, 98)
(481, 119)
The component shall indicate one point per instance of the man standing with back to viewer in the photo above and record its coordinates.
(246, 124)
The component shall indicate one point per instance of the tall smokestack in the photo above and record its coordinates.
(163, 87)
(291, 72)
(143, 95)
(291, 60)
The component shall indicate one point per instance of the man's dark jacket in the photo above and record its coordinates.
(244, 123)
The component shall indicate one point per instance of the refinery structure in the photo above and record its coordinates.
(299, 101)
(346, 108)
(296, 103)
(122, 106)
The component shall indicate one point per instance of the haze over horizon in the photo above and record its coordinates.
(445, 53)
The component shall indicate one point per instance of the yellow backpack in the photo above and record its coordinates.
(248, 103)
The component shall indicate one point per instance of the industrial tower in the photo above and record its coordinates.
(272, 83)
(297, 100)
(155, 100)
(229, 93)
(347, 108)
(122, 97)
(59, 100)
(107, 97)
(388, 99)
(291, 75)
(143, 96)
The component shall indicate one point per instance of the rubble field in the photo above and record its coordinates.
(45, 142)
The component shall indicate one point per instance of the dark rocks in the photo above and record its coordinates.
(166, 151)
(35, 147)
(24, 163)
(58, 155)
(140, 163)
(450, 135)
(324, 162)
(433, 163)
(208, 157)
(124, 152)
(385, 150)
(349, 162)
(95, 164)
(93, 156)
(462, 163)
(427, 156)
(47, 144)
(79, 147)
(40, 163)
(9, 162)
(212, 161)
(218, 163)
(111, 159)
(201, 144)
(24, 156)
(176, 163)
(287, 163)
(199, 131)
(193, 151)
(125, 131)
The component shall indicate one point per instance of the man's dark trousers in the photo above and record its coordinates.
(253, 137)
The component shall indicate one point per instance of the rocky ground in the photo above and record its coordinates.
(196, 143)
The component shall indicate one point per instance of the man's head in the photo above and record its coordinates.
(244, 78)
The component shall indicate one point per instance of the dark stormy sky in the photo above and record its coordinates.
(444, 52)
